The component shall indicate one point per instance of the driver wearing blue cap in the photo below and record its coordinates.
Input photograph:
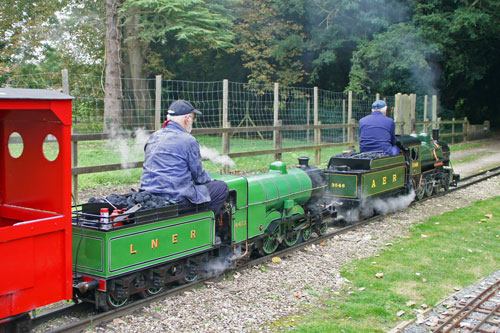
(377, 132)
(172, 163)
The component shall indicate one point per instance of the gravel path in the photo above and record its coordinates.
(258, 298)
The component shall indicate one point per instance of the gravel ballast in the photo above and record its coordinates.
(260, 297)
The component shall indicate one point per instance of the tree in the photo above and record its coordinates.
(24, 25)
(195, 21)
(468, 35)
(336, 29)
(270, 43)
(112, 85)
(393, 61)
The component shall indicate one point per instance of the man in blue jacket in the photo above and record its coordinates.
(172, 163)
(377, 132)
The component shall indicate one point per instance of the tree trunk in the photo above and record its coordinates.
(141, 102)
(113, 85)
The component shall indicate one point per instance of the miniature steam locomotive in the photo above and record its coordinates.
(263, 211)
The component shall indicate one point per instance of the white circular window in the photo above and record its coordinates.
(50, 147)
(16, 145)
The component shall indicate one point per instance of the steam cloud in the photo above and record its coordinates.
(130, 150)
(370, 207)
(214, 156)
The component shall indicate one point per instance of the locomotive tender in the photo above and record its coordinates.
(139, 249)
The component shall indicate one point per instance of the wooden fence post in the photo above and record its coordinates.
(413, 113)
(349, 116)
(344, 139)
(308, 118)
(453, 131)
(426, 109)
(434, 112)
(226, 147)
(317, 131)
(157, 124)
(276, 122)
(377, 96)
(465, 128)
(352, 121)
(74, 144)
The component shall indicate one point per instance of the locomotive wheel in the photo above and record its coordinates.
(291, 237)
(271, 242)
(192, 274)
(323, 228)
(446, 184)
(113, 303)
(429, 189)
(420, 192)
(437, 187)
(305, 234)
(151, 292)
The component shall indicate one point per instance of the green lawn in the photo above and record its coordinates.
(123, 151)
(459, 248)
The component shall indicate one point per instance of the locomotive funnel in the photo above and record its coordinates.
(435, 134)
(304, 161)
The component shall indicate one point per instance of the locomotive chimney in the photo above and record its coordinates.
(303, 162)
(435, 134)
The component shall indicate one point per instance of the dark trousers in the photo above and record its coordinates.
(218, 193)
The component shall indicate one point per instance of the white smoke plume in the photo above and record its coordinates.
(214, 156)
(389, 205)
(130, 150)
(379, 206)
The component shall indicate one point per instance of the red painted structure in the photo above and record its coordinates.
(35, 201)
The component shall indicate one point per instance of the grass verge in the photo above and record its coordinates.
(125, 151)
(447, 251)
(473, 157)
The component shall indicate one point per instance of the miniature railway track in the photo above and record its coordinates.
(80, 324)
(480, 314)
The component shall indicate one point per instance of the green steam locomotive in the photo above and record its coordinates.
(358, 183)
(141, 250)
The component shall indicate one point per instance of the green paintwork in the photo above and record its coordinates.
(415, 160)
(239, 185)
(110, 253)
(270, 191)
(387, 161)
(430, 152)
(278, 166)
(90, 251)
(424, 137)
(343, 185)
(381, 181)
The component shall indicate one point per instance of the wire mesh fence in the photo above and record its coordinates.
(250, 106)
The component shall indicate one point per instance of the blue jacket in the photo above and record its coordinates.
(377, 133)
(172, 166)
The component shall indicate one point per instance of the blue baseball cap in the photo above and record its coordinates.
(181, 107)
(377, 105)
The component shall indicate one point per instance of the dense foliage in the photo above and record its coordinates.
(450, 48)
